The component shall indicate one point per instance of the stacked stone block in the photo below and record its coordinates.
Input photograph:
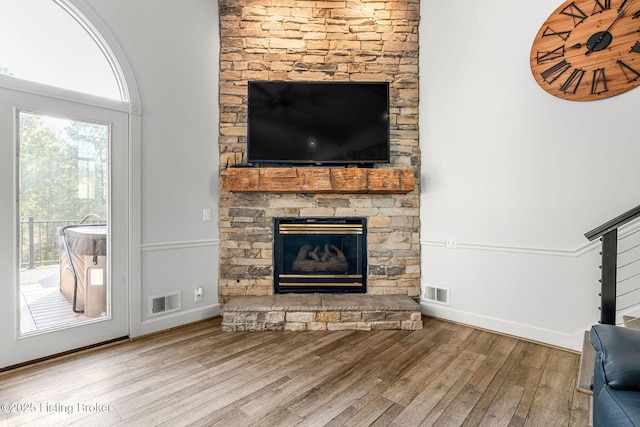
(321, 313)
(294, 40)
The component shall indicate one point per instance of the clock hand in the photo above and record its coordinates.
(602, 39)
(620, 15)
(622, 5)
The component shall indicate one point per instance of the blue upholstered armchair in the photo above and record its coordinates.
(616, 381)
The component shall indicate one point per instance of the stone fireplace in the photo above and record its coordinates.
(319, 41)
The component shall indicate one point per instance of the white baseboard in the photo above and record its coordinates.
(178, 319)
(571, 341)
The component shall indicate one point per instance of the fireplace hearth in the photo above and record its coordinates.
(320, 255)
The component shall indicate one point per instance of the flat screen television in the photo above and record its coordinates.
(318, 123)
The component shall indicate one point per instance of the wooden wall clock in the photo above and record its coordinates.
(588, 49)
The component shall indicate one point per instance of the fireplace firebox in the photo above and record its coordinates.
(320, 255)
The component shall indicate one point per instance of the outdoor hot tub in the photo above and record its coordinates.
(83, 267)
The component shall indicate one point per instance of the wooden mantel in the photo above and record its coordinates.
(320, 180)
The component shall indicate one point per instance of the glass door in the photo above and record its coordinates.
(64, 225)
(63, 182)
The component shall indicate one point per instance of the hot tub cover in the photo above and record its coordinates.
(87, 240)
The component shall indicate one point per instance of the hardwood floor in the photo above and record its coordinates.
(444, 375)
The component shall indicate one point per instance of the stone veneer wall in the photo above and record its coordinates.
(358, 40)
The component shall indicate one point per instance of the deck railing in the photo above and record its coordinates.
(620, 276)
(40, 241)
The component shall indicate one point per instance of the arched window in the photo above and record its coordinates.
(63, 90)
(45, 41)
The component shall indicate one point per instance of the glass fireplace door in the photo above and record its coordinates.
(320, 255)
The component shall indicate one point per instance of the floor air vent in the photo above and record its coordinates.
(164, 304)
(437, 295)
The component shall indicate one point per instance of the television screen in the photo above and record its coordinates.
(318, 123)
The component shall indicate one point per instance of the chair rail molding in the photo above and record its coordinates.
(167, 246)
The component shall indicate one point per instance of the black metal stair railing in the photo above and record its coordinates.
(609, 294)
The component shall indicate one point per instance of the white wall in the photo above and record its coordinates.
(172, 48)
(517, 175)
